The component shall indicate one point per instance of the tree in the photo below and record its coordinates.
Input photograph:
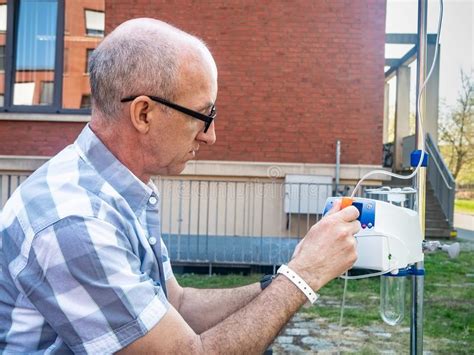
(457, 128)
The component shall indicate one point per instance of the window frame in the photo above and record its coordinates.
(2, 70)
(85, 23)
(10, 59)
(88, 54)
(5, 4)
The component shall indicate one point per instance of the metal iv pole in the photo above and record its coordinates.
(416, 324)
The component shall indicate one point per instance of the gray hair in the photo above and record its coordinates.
(140, 57)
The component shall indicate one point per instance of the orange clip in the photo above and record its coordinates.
(346, 202)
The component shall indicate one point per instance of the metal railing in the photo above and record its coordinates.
(229, 222)
(441, 180)
(438, 174)
(237, 222)
(8, 184)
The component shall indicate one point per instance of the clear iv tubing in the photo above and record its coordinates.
(404, 177)
(346, 277)
(378, 273)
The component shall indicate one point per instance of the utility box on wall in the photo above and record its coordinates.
(307, 194)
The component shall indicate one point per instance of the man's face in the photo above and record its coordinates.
(177, 137)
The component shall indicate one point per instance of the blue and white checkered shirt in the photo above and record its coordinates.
(81, 256)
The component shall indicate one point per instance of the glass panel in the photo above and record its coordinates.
(35, 50)
(2, 58)
(3, 16)
(24, 93)
(86, 101)
(81, 37)
(3, 40)
(88, 55)
(46, 97)
(95, 23)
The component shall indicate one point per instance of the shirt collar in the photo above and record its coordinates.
(132, 189)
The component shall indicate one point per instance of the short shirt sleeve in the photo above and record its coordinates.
(167, 270)
(84, 278)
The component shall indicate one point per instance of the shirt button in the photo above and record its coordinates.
(153, 200)
(152, 240)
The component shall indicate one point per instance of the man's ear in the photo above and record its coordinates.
(141, 113)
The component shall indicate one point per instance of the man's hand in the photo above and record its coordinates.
(329, 247)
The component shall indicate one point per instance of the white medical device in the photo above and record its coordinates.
(390, 237)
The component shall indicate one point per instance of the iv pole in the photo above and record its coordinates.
(416, 324)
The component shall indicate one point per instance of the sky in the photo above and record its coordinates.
(457, 38)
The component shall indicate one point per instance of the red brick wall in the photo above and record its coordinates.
(293, 76)
(36, 138)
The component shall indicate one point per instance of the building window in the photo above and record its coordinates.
(2, 58)
(3, 41)
(36, 53)
(24, 94)
(46, 97)
(86, 101)
(3, 17)
(88, 55)
(95, 23)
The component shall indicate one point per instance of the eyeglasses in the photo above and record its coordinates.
(207, 119)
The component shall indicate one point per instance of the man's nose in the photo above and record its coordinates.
(209, 137)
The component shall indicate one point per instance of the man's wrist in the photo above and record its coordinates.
(312, 277)
(300, 283)
(289, 289)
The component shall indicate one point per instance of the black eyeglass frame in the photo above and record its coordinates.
(207, 119)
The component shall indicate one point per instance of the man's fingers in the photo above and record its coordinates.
(336, 206)
(355, 227)
(349, 214)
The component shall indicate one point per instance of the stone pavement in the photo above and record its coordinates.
(307, 334)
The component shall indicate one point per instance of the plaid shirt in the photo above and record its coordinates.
(82, 260)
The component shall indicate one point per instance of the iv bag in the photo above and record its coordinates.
(392, 299)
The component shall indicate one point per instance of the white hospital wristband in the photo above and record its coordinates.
(299, 282)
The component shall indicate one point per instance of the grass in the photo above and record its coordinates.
(464, 206)
(448, 300)
(221, 281)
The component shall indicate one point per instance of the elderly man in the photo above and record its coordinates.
(84, 269)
